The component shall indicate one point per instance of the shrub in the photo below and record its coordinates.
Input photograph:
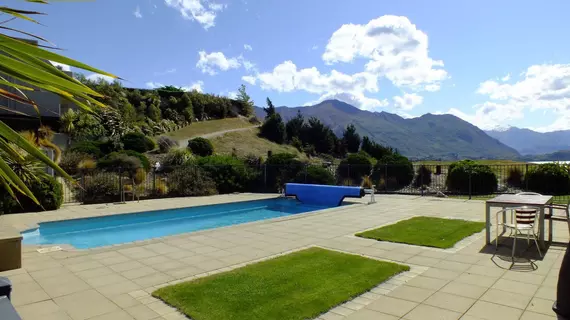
(280, 169)
(87, 147)
(354, 167)
(295, 142)
(252, 161)
(230, 174)
(315, 175)
(100, 188)
(423, 177)
(142, 158)
(549, 178)
(483, 179)
(161, 188)
(190, 181)
(176, 157)
(137, 142)
(47, 191)
(119, 162)
(273, 129)
(396, 171)
(166, 143)
(86, 165)
(201, 147)
(515, 178)
(70, 161)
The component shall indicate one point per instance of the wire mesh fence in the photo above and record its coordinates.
(118, 184)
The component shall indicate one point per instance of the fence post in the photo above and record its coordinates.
(386, 177)
(265, 177)
(526, 177)
(153, 180)
(421, 180)
(82, 186)
(121, 189)
(469, 183)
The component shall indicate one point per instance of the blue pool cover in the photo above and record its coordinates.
(322, 195)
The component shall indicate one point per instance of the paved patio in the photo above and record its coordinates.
(467, 282)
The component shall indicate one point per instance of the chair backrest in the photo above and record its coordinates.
(525, 215)
(528, 194)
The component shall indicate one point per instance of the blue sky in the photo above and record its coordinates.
(493, 63)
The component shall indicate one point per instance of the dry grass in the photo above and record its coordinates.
(247, 142)
(205, 127)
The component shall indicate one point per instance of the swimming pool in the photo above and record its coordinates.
(114, 229)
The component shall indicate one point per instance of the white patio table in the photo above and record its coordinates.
(512, 200)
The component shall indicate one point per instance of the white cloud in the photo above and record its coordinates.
(489, 115)
(153, 85)
(247, 47)
(209, 62)
(196, 86)
(315, 47)
(62, 66)
(196, 10)
(285, 77)
(229, 94)
(408, 101)
(545, 87)
(98, 77)
(137, 12)
(393, 47)
(248, 65)
(249, 79)
(506, 78)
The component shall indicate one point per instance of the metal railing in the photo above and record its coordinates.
(117, 185)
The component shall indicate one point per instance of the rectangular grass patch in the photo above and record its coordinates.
(426, 231)
(299, 285)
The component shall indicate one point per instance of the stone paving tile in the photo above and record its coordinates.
(529, 315)
(425, 312)
(427, 283)
(367, 314)
(411, 293)
(491, 311)
(141, 312)
(477, 280)
(545, 292)
(543, 306)
(450, 302)
(525, 277)
(115, 315)
(37, 310)
(441, 274)
(85, 305)
(392, 306)
(505, 298)
(464, 290)
(515, 287)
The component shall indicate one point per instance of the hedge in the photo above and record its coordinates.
(549, 178)
(47, 190)
(460, 174)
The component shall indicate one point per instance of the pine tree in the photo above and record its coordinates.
(245, 100)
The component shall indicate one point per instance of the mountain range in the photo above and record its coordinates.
(528, 142)
(427, 137)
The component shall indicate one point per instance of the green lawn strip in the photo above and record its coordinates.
(299, 285)
(426, 231)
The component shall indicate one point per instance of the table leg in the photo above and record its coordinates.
(504, 221)
(541, 228)
(488, 223)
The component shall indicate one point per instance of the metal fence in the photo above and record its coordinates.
(119, 185)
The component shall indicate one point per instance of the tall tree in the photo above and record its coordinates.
(294, 126)
(351, 138)
(319, 135)
(273, 128)
(246, 102)
(374, 149)
(270, 109)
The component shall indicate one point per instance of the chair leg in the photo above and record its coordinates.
(514, 246)
(537, 246)
(528, 238)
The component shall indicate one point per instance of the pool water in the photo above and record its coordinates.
(115, 229)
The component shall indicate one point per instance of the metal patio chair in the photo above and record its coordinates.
(523, 221)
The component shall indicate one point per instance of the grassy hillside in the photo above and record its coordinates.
(206, 127)
(247, 142)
